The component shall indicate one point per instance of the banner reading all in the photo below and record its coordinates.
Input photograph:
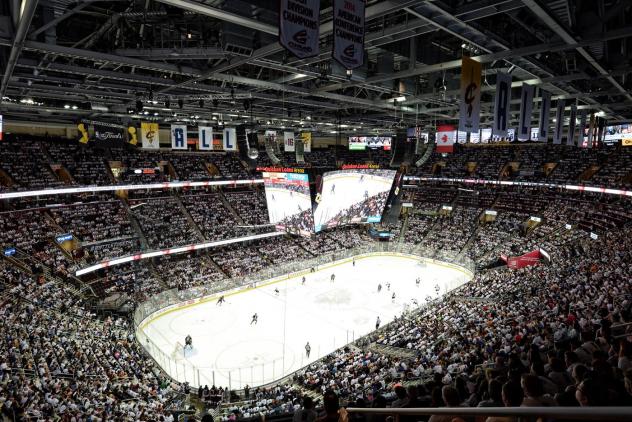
(205, 138)
(570, 138)
(288, 141)
(178, 137)
(348, 47)
(545, 111)
(559, 122)
(149, 135)
(526, 107)
(299, 25)
(501, 105)
(230, 139)
(470, 112)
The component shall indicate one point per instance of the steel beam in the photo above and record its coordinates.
(18, 42)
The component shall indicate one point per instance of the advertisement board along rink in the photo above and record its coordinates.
(231, 350)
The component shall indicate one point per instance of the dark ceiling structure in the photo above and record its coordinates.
(220, 60)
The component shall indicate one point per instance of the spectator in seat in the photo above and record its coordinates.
(534, 392)
(402, 397)
(307, 414)
(451, 399)
(512, 396)
(494, 391)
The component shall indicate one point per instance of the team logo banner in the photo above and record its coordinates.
(108, 135)
(230, 139)
(288, 141)
(205, 138)
(149, 135)
(178, 137)
(559, 122)
(445, 138)
(526, 107)
(306, 140)
(570, 138)
(470, 113)
(349, 33)
(545, 110)
(299, 24)
(501, 105)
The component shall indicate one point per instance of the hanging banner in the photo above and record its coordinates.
(601, 126)
(470, 112)
(230, 139)
(545, 111)
(570, 138)
(591, 130)
(559, 122)
(299, 25)
(582, 128)
(526, 107)
(84, 136)
(306, 140)
(149, 135)
(501, 104)
(108, 136)
(348, 47)
(205, 138)
(445, 138)
(132, 137)
(1, 132)
(178, 137)
(288, 141)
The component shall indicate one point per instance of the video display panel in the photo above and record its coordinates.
(289, 202)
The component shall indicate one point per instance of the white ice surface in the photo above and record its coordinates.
(229, 351)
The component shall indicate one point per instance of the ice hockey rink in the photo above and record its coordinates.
(349, 189)
(230, 351)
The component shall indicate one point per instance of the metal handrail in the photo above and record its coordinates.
(609, 413)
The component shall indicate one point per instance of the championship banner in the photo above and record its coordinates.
(526, 107)
(178, 137)
(470, 112)
(445, 138)
(545, 111)
(133, 136)
(288, 141)
(150, 135)
(306, 140)
(582, 128)
(348, 47)
(299, 25)
(84, 136)
(230, 139)
(570, 138)
(205, 138)
(591, 130)
(108, 135)
(559, 122)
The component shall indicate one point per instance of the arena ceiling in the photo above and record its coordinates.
(187, 59)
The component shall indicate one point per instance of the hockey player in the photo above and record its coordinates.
(333, 277)
(188, 342)
(333, 189)
(393, 297)
(276, 291)
(308, 349)
(377, 323)
(303, 281)
(379, 287)
(255, 319)
(354, 262)
(361, 178)
(366, 195)
(417, 281)
(221, 300)
(388, 286)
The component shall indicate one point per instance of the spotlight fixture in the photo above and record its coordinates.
(66, 106)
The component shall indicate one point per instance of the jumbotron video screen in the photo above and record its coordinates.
(289, 202)
(352, 196)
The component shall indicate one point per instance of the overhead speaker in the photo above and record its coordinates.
(403, 149)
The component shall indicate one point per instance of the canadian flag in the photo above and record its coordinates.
(445, 138)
